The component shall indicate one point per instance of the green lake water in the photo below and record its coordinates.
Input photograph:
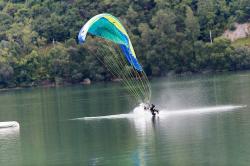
(209, 128)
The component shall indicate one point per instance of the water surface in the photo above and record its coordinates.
(212, 126)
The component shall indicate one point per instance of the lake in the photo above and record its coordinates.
(212, 126)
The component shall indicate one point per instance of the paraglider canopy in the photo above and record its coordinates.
(110, 28)
(115, 51)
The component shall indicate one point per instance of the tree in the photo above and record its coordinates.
(6, 74)
(205, 11)
(37, 37)
(192, 25)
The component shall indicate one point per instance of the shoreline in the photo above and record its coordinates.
(65, 84)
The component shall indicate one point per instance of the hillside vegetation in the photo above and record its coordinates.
(38, 46)
(243, 42)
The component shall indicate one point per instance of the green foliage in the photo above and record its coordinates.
(244, 42)
(37, 38)
(6, 74)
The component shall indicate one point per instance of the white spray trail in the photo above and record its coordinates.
(139, 112)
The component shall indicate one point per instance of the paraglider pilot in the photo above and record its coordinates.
(152, 109)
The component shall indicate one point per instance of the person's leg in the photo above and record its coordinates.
(153, 113)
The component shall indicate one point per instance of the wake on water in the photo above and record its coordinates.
(139, 112)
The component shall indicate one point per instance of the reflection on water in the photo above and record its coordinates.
(168, 122)
(9, 146)
(203, 121)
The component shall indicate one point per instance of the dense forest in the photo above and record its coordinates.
(38, 38)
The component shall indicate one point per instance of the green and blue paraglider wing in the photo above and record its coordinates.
(110, 28)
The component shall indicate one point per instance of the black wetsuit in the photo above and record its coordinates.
(153, 110)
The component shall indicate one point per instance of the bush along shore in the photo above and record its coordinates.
(38, 39)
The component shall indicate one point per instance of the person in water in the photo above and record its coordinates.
(152, 109)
